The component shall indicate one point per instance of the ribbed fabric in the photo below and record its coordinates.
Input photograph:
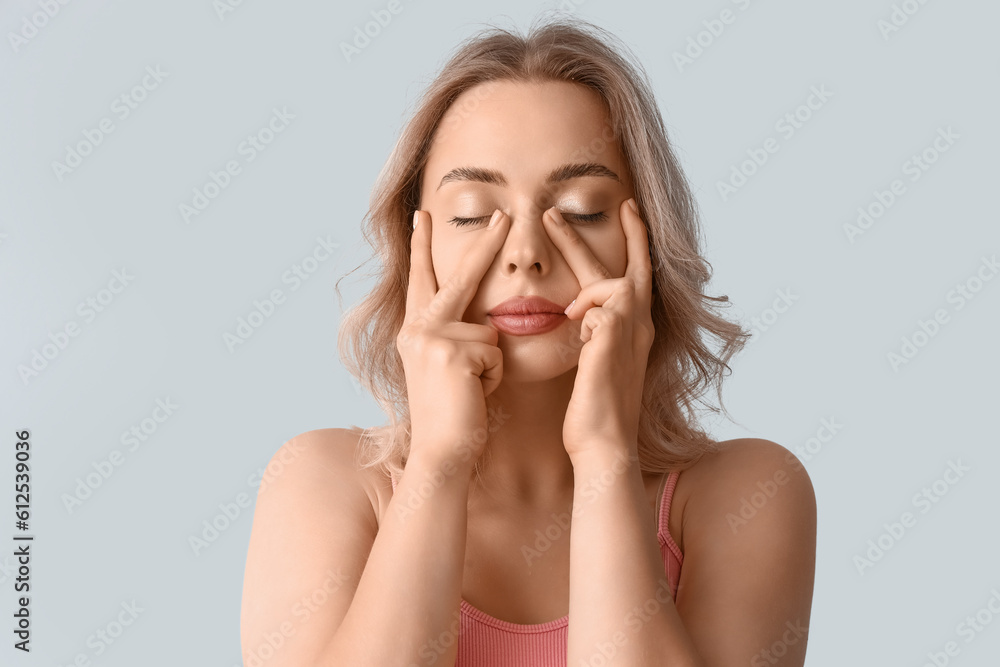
(486, 641)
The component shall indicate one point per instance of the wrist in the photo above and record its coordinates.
(599, 457)
(440, 468)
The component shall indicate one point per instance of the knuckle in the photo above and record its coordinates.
(403, 341)
(441, 352)
(646, 334)
(410, 333)
(403, 337)
(597, 316)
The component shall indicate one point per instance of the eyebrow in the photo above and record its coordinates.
(562, 173)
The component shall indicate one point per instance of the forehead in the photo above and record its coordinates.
(524, 130)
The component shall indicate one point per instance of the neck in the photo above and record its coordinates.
(525, 465)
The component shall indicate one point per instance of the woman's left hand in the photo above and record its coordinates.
(616, 332)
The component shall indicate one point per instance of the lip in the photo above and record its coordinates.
(527, 305)
(527, 315)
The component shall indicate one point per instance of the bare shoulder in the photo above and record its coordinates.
(322, 456)
(313, 526)
(749, 552)
(743, 467)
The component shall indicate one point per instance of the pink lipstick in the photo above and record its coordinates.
(527, 315)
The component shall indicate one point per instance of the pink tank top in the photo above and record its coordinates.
(486, 641)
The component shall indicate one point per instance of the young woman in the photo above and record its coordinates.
(543, 493)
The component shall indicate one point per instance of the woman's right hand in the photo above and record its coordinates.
(451, 366)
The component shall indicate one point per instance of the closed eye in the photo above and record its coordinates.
(581, 217)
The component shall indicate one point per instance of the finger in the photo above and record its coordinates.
(606, 320)
(638, 265)
(470, 333)
(587, 268)
(422, 285)
(455, 295)
(615, 294)
(490, 358)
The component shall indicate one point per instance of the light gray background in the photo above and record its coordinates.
(162, 336)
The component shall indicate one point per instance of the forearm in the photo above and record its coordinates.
(405, 609)
(620, 606)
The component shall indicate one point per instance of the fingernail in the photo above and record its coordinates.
(570, 306)
(631, 203)
(495, 219)
(415, 219)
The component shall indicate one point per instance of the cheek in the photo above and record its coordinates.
(610, 250)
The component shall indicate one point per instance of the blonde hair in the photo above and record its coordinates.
(680, 367)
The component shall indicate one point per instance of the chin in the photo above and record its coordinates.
(537, 358)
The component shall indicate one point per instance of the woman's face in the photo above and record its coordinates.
(523, 133)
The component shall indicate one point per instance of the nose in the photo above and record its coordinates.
(527, 246)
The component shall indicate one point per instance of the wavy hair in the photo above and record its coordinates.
(680, 367)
